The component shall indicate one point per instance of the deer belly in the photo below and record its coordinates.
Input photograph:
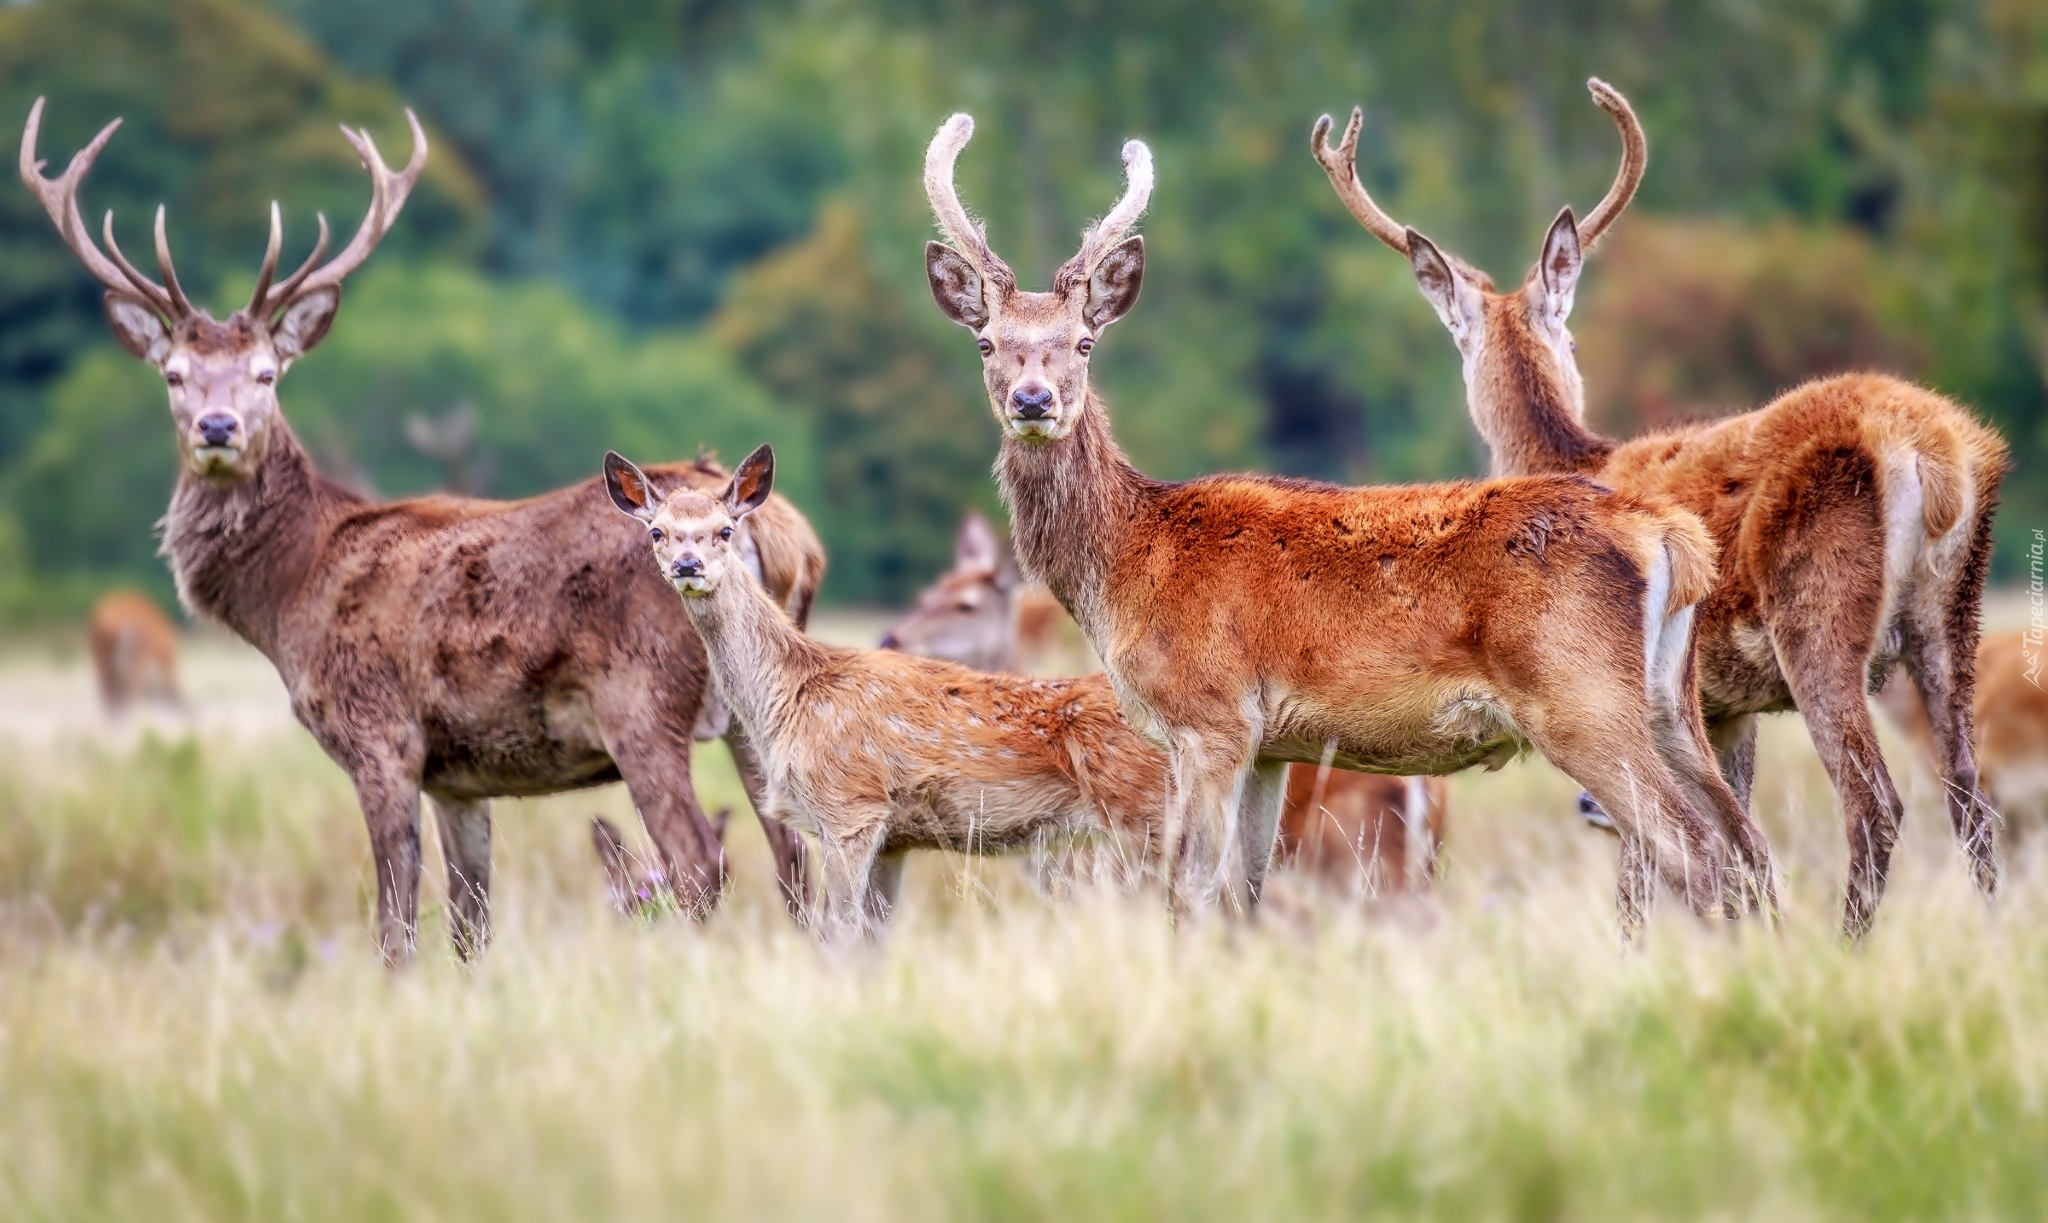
(982, 816)
(542, 746)
(1738, 670)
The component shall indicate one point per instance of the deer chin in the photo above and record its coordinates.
(692, 588)
(1044, 429)
(218, 463)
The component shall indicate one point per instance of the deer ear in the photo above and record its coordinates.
(956, 286)
(1448, 294)
(1558, 272)
(976, 548)
(751, 482)
(138, 328)
(628, 486)
(1113, 285)
(305, 323)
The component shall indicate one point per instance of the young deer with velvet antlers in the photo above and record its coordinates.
(1249, 621)
(879, 752)
(471, 649)
(1852, 514)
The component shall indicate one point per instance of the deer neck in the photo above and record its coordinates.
(240, 553)
(1070, 501)
(758, 657)
(1531, 422)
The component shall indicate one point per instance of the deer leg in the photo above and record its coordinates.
(465, 828)
(1682, 741)
(885, 883)
(1204, 783)
(655, 762)
(1945, 683)
(1734, 740)
(390, 798)
(845, 860)
(1258, 823)
(785, 844)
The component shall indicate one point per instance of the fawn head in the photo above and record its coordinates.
(1034, 346)
(695, 536)
(221, 375)
(1506, 341)
(969, 615)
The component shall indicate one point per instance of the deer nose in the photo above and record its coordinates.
(215, 428)
(1031, 402)
(687, 567)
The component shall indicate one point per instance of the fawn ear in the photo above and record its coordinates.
(305, 323)
(956, 286)
(1113, 285)
(1558, 272)
(628, 486)
(1448, 292)
(138, 328)
(976, 548)
(751, 482)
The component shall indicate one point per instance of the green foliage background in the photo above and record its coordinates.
(655, 226)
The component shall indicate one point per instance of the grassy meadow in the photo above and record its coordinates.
(193, 1024)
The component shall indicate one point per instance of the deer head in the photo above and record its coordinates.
(222, 375)
(1505, 340)
(969, 615)
(693, 534)
(1034, 346)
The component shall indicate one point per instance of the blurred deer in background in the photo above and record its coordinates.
(470, 649)
(450, 439)
(1249, 621)
(1852, 515)
(2011, 722)
(1364, 833)
(878, 752)
(134, 652)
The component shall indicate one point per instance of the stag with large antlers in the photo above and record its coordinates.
(471, 649)
(1249, 621)
(1853, 518)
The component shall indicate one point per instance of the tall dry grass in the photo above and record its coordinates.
(193, 1025)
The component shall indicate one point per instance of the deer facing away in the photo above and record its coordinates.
(470, 649)
(2010, 718)
(1250, 621)
(134, 652)
(1852, 515)
(1363, 833)
(879, 752)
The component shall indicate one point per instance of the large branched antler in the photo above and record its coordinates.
(1119, 221)
(1340, 162)
(388, 193)
(966, 235)
(59, 197)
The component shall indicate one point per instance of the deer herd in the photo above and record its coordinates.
(1288, 667)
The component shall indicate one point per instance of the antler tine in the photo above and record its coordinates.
(1098, 238)
(133, 276)
(1340, 162)
(163, 264)
(954, 221)
(59, 198)
(270, 254)
(388, 192)
(1635, 159)
(283, 292)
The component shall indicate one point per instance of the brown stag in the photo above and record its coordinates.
(471, 649)
(878, 752)
(134, 652)
(1363, 833)
(1249, 621)
(1852, 516)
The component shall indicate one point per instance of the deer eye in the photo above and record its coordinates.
(173, 378)
(268, 377)
(965, 607)
(1085, 347)
(656, 534)
(725, 532)
(985, 345)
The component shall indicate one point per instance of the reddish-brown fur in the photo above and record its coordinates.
(134, 651)
(1852, 517)
(470, 649)
(878, 752)
(1248, 621)
(1349, 829)
(2011, 723)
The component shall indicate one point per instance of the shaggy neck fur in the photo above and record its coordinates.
(239, 552)
(1069, 500)
(1522, 410)
(760, 659)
